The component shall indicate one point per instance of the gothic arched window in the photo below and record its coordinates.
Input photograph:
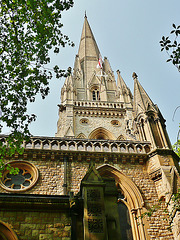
(128, 200)
(95, 95)
(142, 124)
(124, 219)
(156, 132)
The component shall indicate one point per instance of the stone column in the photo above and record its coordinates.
(94, 211)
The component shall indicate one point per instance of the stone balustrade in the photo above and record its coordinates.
(85, 145)
(99, 104)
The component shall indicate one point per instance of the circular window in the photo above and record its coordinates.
(115, 123)
(24, 180)
(84, 121)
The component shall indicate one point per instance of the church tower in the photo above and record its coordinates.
(93, 105)
(110, 162)
(97, 106)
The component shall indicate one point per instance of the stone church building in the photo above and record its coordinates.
(110, 161)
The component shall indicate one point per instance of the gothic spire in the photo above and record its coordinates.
(123, 89)
(142, 102)
(88, 51)
(120, 82)
(88, 46)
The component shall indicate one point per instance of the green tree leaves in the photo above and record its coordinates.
(29, 29)
(172, 47)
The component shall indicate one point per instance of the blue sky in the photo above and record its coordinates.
(128, 33)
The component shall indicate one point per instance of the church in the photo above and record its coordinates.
(109, 164)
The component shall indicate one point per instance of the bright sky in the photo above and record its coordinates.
(128, 34)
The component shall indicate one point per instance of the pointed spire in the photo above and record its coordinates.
(109, 76)
(77, 65)
(107, 67)
(120, 82)
(124, 90)
(142, 101)
(88, 46)
(88, 52)
(70, 81)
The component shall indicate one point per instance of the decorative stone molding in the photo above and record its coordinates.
(99, 113)
(131, 192)
(64, 144)
(55, 148)
(156, 175)
(82, 136)
(92, 187)
(101, 133)
(100, 104)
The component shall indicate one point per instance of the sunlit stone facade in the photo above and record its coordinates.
(110, 161)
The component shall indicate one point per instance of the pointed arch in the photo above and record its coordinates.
(94, 88)
(131, 192)
(81, 135)
(133, 198)
(101, 133)
(121, 137)
(6, 232)
(94, 81)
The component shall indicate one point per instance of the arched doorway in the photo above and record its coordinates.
(6, 233)
(130, 202)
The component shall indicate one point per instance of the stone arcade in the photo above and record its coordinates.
(110, 161)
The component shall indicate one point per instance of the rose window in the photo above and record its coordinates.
(25, 179)
(18, 181)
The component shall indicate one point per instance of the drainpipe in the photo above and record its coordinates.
(65, 175)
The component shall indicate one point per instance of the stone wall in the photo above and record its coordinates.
(176, 225)
(50, 178)
(158, 222)
(95, 122)
(38, 225)
(51, 181)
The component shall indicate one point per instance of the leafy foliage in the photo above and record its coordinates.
(176, 200)
(176, 148)
(172, 47)
(29, 30)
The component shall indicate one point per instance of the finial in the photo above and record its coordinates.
(85, 14)
(134, 75)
